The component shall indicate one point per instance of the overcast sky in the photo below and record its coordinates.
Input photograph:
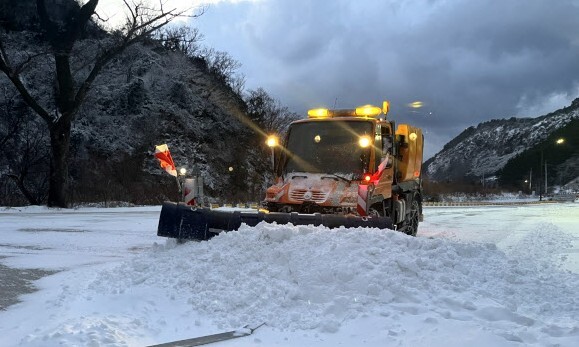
(467, 60)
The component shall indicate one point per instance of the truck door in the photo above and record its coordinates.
(384, 160)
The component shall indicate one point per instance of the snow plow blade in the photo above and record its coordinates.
(181, 221)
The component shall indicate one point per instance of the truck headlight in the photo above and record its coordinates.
(364, 141)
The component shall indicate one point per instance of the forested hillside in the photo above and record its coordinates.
(163, 89)
(559, 152)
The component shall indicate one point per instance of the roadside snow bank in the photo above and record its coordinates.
(41, 209)
(314, 278)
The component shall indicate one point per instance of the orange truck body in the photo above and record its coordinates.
(337, 169)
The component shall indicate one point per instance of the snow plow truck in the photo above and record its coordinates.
(337, 168)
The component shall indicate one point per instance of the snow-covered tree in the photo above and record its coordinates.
(62, 32)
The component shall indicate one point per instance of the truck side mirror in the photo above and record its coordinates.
(401, 139)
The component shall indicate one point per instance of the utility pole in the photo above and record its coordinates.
(531, 181)
(541, 172)
(546, 178)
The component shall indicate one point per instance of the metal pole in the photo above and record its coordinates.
(273, 161)
(531, 181)
(541, 172)
(178, 183)
(546, 186)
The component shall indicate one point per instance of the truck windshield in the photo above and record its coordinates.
(328, 147)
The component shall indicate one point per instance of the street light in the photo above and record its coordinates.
(559, 141)
(272, 141)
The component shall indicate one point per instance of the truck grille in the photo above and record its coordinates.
(316, 196)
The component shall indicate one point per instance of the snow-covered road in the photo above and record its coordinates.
(486, 276)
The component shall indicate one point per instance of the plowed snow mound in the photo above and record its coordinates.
(316, 278)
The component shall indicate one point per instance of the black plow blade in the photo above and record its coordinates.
(181, 221)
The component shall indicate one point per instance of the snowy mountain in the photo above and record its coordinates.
(485, 149)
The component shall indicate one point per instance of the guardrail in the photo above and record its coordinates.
(485, 203)
(256, 206)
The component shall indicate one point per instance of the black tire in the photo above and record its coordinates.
(412, 218)
(376, 210)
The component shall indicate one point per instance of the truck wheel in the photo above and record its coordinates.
(375, 211)
(412, 218)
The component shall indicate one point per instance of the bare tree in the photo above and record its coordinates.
(27, 161)
(271, 117)
(268, 113)
(183, 39)
(9, 126)
(225, 67)
(25, 143)
(61, 34)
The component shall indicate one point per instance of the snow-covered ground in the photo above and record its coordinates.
(488, 276)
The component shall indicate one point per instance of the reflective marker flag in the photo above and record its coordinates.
(162, 153)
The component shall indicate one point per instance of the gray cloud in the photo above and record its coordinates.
(468, 61)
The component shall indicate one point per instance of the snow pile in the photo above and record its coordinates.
(473, 276)
(489, 197)
(314, 278)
